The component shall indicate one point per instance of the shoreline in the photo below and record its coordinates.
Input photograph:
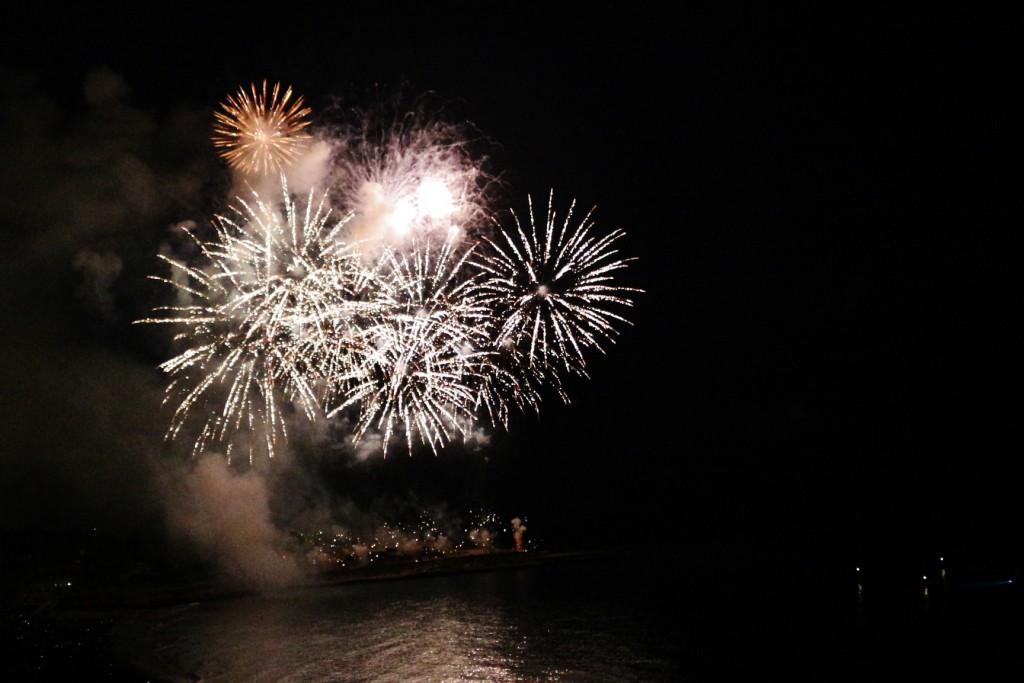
(163, 590)
(68, 635)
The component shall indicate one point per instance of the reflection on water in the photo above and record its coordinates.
(555, 623)
(635, 619)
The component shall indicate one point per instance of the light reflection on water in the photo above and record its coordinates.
(554, 623)
(634, 619)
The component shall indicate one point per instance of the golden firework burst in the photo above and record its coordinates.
(260, 133)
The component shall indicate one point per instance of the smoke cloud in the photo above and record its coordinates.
(224, 515)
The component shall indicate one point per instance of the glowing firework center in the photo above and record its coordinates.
(431, 208)
(393, 298)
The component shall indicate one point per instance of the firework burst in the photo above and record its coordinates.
(423, 350)
(411, 316)
(266, 318)
(552, 286)
(260, 133)
(407, 176)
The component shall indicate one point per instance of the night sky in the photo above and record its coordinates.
(824, 209)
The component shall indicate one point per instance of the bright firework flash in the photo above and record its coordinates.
(552, 285)
(266, 318)
(407, 175)
(261, 134)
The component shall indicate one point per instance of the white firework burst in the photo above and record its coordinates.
(266, 318)
(422, 351)
(552, 286)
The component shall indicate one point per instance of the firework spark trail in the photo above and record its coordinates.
(261, 134)
(551, 286)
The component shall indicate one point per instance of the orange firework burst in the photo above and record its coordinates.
(260, 134)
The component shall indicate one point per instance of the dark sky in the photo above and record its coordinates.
(823, 207)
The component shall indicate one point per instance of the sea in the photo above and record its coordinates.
(604, 617)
